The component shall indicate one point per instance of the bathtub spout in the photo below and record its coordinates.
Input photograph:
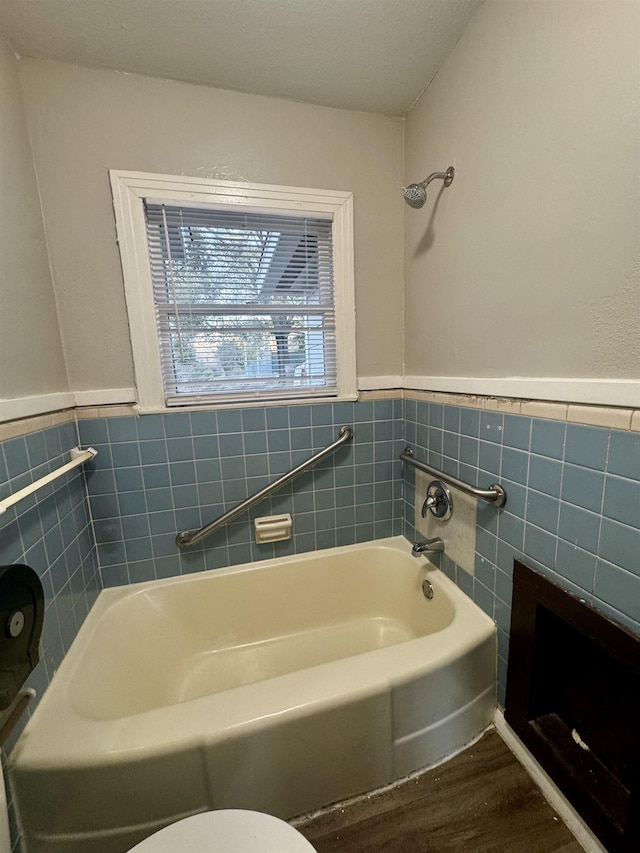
(429, 546)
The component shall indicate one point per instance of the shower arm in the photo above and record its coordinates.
(447, 177)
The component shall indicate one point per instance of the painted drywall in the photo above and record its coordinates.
(30, 347)
(528, 266)
(84, 122)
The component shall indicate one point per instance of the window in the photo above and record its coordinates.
(236, 292)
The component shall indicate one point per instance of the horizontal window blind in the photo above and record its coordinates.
(244, 304)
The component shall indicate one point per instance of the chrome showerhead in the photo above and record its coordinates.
(416, 194)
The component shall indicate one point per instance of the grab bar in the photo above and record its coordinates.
(78, 457)
(191, 537)
(494, 494)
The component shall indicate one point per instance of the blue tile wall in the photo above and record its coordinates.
(572, 511)
(158, 474)
(51, 532)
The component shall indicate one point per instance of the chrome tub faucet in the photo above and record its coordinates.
(429, 546)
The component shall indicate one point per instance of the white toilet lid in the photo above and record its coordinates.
(226, 831)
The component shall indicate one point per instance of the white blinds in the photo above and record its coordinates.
(244, 304)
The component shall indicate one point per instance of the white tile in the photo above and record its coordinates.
(600, 416)
(543, 409)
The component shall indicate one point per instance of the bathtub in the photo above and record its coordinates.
(279, 686)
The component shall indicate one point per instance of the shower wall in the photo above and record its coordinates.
(526, 269)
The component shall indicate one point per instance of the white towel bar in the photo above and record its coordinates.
(78, 457)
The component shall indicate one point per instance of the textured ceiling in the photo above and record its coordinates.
(374, 55)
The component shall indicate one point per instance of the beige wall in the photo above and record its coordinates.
(84, 122)
(31, 359)
(528, 264)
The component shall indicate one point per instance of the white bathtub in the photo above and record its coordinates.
(279, 686)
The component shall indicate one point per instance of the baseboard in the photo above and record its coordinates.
(550, 791)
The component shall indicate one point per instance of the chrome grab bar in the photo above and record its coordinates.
(191, 537)
(494, 494)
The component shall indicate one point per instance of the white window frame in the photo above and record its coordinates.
(130, 189)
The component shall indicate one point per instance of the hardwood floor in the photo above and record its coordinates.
(481, 801)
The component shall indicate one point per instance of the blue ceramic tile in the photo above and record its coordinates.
(515, 465)
(185, 496)
(540, 545)
(138, 549)
(101, 482)
(156, 500)
(545, 475)
(122, 429)
(150, 427)
(511, 529)
(469, 450)
(129, 479)
(180, 449)
(450, 445)
(517, 432)
(93, 432)
(382, 410)
(491, 426)
(36, 449)
(586, 446)
(504, 586)
(133, 503)
(576, 565)
(547, 438)
(231, 444)
(278, 417)
(622, 500)
(452, 418)
(436, 415)
(182, 473)
(620, 544)
(489, 458)
(542, 511)
(277, 440)
(618, 588)
(125, 454)
(15, 455)
(235, 467)
(624, 454)
(470, 422)
(583, 487)
(485, 571)
(134, 526)
(104, 506)
(343, 413)
(155, 476)
(111, 554)
(516, 501)
(300, 416)
(229, 420)
(464, 581)
(383, 430)
(483, 597)
(579, 527)
(203, 423)
(177, 424)
(410, 408)
(486, 544)
(153, 452)
(254, 420)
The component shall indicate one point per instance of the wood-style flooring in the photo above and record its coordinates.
(481, 801)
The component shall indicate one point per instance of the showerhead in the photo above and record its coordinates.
(416, 194)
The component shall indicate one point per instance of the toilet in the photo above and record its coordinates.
(226, 831)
